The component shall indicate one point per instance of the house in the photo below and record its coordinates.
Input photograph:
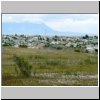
(96, 47)
(40, 46)
(16, 45)
(74, 44)
(55, 42)
(31, 45)
(90, 48)
(35, 38)
(68, 44)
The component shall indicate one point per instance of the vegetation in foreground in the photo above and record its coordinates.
(48, 67)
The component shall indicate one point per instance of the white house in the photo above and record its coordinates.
(90, 48)
(16, 45)
(55, 42)
(68, 44)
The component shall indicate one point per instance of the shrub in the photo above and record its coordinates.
(24, 68)
(56, 46)
(23, 46)
(86, 51)
(96, 50)
(47, 45)
(77, 50)
(59, 47)
(7, 44)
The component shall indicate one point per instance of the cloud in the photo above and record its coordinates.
(60, 22)
(21, 18)
(87, 25)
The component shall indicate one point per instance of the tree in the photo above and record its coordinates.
(39, 37)
(96, 50)
(86, 37)
(16, 35)
(55, 38)
(23, 67)
(48, 40)
(22, 36)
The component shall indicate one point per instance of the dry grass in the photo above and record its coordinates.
(51, 67)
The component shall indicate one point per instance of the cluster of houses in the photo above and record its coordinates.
(90, 43)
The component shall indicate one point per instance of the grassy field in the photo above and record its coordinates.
(51, 67)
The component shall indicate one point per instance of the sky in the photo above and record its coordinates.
(81, 23)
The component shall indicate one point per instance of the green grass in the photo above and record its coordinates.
(50, 67)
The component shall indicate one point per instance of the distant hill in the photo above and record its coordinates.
(33, 29)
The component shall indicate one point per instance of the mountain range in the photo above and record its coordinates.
(34, 29)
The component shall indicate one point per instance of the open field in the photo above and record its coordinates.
(51, 67)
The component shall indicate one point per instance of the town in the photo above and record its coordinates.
(77, 43)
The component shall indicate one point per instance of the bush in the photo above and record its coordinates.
(96, 50)
(24, 68)
(77, 50)
(7, 44)
(56, 46)
(86, 51)
(59, 48)
(47, 45)
(23, 46)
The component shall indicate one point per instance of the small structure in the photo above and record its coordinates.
(55, 42)
(40, 46)
(16, 45)
(68, 44)
(90, 49)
